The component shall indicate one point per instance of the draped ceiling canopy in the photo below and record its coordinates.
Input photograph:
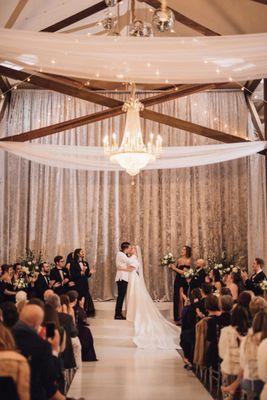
(144, 60)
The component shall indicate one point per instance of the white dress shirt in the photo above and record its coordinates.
(122, 262)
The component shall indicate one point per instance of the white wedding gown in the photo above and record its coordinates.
(152, 330)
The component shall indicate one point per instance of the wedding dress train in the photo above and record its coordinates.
(152, 330)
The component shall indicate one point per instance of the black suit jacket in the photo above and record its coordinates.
(81, 280)
(55, 276)
(253, 283)
(41, 285)
(42, 363)
(198, 279)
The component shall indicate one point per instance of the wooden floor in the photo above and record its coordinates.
(124, 372)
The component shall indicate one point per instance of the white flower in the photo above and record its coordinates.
(29, 263)
(234, 269)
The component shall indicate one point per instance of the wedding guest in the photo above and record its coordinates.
(80, 272)
(206, 290)
(229, 345)
(244, 300)
(47, 294)
(84, 333)
(189, 320)
(199, 275)
(21, 300)
(9, 314)
(226, 305)
(257, 304)
(225, 291)
(216, 280)
(39, 352)
(251, 383)
(213, 331)
(234, 283)
(13, 365)
(7, 292)
(253, 283)
(180, 288)
(58, 278)
(261, 364)
(43, 281)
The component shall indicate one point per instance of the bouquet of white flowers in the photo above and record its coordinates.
(167, 259)
(263, 285)
(188, 274)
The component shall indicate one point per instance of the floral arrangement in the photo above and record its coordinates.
(189, 273)
(167, 259)
(30, 262)
(225, 264)
(263, 285)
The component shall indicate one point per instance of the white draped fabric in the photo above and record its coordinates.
(210, 207)
(92, 158)
(146, 60)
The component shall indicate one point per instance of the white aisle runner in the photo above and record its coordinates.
(124, 372)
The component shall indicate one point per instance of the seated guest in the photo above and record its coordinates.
(39, 353)
(13, 364)
(7, 291)
(84, 333)
(253, 283)
(261, 364)
(225, 291)
(199, 275)
(244, 300)
(58, 278)
(229, 345)
(189, 320)
(47, 294)
(226, 305)
(21, 300)
(42, 283)
(216, 280)
(80, 272)
(9, 314)
(251, 383)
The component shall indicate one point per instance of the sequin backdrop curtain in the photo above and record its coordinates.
(210, 207)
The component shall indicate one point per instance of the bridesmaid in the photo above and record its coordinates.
(80, 272)
(181, 286)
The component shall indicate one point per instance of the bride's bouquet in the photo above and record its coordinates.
(167, 260)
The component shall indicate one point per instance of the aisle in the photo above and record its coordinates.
(125, 373)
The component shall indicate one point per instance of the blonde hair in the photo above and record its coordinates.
(257, 304)
(6, 339)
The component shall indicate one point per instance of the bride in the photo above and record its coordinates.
(152, 330)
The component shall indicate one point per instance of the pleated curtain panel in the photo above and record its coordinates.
(210, 207)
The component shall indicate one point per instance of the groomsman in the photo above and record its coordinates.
(199, 276)
(253, 283)
(123, 265)
(58, 278)
(42, 283)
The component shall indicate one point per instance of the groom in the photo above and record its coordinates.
(123, 265)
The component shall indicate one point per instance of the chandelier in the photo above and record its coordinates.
(132, 154)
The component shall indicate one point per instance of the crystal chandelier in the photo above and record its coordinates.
(132, 154)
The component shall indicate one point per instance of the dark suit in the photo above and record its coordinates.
(81, 284)
(58, 277)
(42, 364)
(41, 285)
(198, 279)
(253, 283)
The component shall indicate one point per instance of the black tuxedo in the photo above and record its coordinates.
(43, 365)
(58, 277)
(41, 285)
(82, 285)
(253, 283)
(198, 279)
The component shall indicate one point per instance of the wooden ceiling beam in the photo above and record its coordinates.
(251, 86)
(184, 20)
(254, 116)
(60, 85)
(4, 106)
(87, 12)
(4, 85)
(191, 127)
(63, 126)
(16, 13)
(260, 1)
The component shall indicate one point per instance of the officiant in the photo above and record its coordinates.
(80, 272)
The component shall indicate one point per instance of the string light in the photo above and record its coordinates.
(15, 86)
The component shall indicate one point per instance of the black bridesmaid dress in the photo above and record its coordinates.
(179, 282)
(85, 335)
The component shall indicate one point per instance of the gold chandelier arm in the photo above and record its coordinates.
(163, 5)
